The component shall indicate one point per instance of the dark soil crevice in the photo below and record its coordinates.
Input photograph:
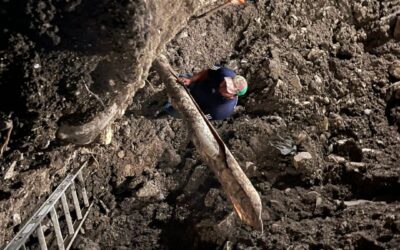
(374, 188)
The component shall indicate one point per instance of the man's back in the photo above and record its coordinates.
(208, 97)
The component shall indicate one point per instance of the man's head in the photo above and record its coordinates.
(233, 86)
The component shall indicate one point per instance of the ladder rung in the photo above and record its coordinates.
(76, 202)
(42, 239)
(83, 189)
(57, 229)
(67, 214)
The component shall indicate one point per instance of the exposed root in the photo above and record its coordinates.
(96, 96)
(5, 125)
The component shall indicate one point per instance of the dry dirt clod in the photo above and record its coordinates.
(197, 178)
(121, 154)
(151, 189)
(106, 135)
(227, 223)
(394, 70)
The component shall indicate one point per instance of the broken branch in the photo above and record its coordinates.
(213, 151)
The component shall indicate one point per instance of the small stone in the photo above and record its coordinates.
(198, 176)
(324, 124)
(318, 201)
(250, 169)
(36, 66)
(183, 34)
(127, 171)
(394, 70)
(367, 111)
(380, 143)
(295, 82)
(151, 189)
(301, 137)
(228, 245)
(318, 79)
(315, 54)
(300, 158)
(16, 219)
(275, 228)
(121, 154)
(126, 131)
(111, 82)
(10, 172)
(274, 69)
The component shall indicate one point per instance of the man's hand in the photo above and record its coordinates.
(185, 81)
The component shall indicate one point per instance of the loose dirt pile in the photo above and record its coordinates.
(318, 134)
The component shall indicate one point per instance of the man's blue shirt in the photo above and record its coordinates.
(207, 95)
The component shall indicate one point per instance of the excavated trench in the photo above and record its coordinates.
(317, 134)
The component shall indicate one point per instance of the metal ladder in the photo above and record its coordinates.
(69, 224)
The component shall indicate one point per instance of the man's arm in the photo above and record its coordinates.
(202, 75)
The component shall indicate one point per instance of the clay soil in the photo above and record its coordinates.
(319, 85)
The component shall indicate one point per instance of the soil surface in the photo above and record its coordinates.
(318, 133)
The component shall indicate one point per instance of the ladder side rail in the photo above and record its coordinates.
(57, 229)
(76, 201)
(77, 226)
(67, 214)
(83, 189)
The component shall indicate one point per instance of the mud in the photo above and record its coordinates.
(317, 133)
